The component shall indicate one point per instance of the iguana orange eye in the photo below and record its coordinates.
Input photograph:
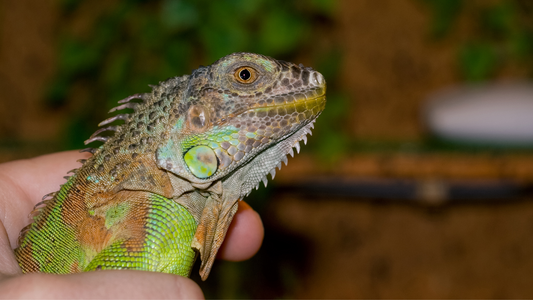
(245, 75)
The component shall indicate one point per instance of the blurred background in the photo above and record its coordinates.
(417, 180)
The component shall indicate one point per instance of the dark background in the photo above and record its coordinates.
(376, 206)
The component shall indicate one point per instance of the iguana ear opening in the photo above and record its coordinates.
(198, 118)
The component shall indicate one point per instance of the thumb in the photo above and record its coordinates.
(107, 284)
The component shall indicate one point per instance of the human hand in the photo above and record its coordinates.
(22, 185)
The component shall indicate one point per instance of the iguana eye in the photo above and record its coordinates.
(245, 75)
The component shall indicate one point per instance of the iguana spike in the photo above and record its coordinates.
(279, 165)
(73, 171)
(297, 146)
(34, 213)
(44, 202)
(52, 194)
(265, 181)
(66, 177)
(97, 138)
(90, 150)
(291, 152)
(123, 106)
(123, 117)
(22, 233)
(273, 173)
(81, 161)
(284, 159)
(37, 210)
(304, 138)
(24, 230)
(143, 97)
(109, 128)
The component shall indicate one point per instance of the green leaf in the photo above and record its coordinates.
(76, 57)
(477, 61)
(244, 8)
(282, 32)
(116, 71)
(326, 7)
(521, 44)
(178, 14)
(445, 13)
(330, 63)
(499, 20)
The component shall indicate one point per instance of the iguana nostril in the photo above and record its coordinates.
(317, 78)
(320, 78)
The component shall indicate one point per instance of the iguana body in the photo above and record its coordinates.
(166, 185)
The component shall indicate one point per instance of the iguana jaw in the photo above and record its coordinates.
(276, 153)
(273, 158)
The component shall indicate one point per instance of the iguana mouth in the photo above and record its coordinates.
(310, 102)
(291, 99)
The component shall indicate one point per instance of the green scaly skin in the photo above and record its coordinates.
(165, 187)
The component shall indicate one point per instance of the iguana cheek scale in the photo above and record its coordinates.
(165, 186)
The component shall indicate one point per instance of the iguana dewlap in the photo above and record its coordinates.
(166, 185)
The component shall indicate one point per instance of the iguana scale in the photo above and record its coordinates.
(166, 185)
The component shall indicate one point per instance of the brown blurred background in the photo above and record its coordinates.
(377, 205)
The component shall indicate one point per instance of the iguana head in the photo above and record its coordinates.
(238, 109)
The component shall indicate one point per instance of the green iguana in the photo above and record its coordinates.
(166, 185)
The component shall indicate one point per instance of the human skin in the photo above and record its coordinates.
(22, 185)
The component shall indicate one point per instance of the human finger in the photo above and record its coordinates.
(245, 235)
(107, 284)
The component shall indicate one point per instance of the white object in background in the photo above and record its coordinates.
(496, 113)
